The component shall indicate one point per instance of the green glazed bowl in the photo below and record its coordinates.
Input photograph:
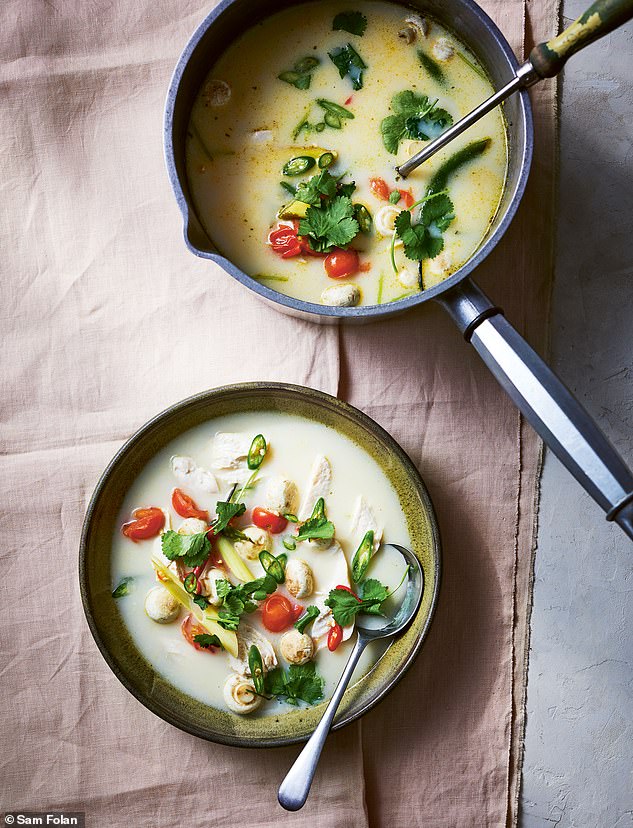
(110, 633)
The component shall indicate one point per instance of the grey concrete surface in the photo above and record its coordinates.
(578, 768)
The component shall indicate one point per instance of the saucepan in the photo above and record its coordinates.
(545, 402)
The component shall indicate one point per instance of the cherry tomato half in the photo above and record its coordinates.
(278, 613)
(341, 263)
(407, 198)
(190, 628)
(185, 506)
(147, 523)
(334, 638)
(285, 242)
(379, 188)
(270, 521)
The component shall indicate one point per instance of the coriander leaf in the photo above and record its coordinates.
(193, 550)
(123, 588)
(416, 117)
(345, 605)
(228, 621)
(223, 587)
(353, 22)
(349, 62)
(205, 640)
(300, 683)
(438, 212)
(415, 237)
(310, 192)
(317, 525)
(308, 616)
(373, 590)
(226, 511)
(393, 130)
(346, 189)
(200, 600)
(330, 225)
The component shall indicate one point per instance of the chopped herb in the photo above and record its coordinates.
(431, 67)
(317, 525)
(226, 511)
(206, 640)
(346, 189)
(346, 606)
(257, 452)
(425, 239)
(300, 682)
(330, 225)
(308, 616)
(415, 117)
(236, 600)
(349, 62)
(301, 74)
(193, 550)
(353, 22)
(123, 588)
(395, 197)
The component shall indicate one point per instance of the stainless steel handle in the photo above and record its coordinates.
(545, 402)
(295, 788)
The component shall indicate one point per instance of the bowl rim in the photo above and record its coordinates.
(313, 310)
(333, 403)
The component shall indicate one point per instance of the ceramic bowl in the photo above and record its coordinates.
(100, 524)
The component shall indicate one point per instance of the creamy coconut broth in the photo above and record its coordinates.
(303, 464)
(275, 113)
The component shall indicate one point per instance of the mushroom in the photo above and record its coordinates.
(192, 526)
(209, 585)
(161, 606)
(299, 578)
(281, 496)
(257, 540)
(342, 296)
(296, 647)
(415, 26)
(240, 695)
(443, 49)
(384, 220)
(409, 277)
(216, 93)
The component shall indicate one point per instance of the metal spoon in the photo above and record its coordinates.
(295, 788)
(545, 61)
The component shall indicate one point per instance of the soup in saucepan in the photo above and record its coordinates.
(244, 552)
(294, 139)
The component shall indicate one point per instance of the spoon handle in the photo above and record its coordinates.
(598, 20)
(295, 788)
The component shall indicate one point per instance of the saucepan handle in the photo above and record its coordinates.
(544, 401)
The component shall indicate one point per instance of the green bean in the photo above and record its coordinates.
(456, 161)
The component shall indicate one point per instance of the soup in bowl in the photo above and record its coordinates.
(231, 545)
(293, 142)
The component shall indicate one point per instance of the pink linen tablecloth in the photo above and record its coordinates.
(106, 320)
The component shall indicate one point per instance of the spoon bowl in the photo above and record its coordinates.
(295, 788)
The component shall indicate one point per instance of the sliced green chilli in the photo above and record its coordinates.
(455, 162)
(288, 188)
(272, 566)
(191, 584)
(283, 560)
(124, 587)
(333, 120)
(363, 556)
(256, 666)
(290, 544)
(326, 160)
(291, 518)
(363, 217)
(320, 126)
(256, 452)
(298, 165)
(335, 109)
